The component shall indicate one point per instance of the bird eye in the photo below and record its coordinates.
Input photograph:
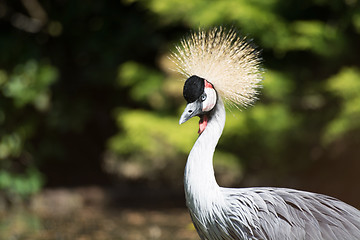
(203, 97)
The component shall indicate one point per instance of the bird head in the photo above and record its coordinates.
(217, 59)
(201, 98)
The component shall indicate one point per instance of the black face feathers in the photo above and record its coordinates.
(193, 88)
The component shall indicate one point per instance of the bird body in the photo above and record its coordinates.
(246, 213)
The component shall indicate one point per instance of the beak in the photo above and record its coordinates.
(191, 110)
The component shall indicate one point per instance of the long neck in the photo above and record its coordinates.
(199, 179)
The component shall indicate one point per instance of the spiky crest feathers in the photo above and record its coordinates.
(224, 59)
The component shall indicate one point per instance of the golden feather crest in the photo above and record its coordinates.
(221, 57)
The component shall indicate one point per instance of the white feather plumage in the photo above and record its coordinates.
(223, 58)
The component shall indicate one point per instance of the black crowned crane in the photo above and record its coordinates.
(220, 65)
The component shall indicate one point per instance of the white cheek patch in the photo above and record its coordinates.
(210, 100)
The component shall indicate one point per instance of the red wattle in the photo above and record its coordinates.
(202, 123)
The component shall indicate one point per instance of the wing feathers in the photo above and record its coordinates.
(290, 214)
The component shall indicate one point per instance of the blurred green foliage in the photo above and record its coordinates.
(21, 185)
(86, 90)
(28, 84)
(346, 86)
(135, 151)
(131, 76)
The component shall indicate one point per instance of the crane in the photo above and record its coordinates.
(220, 65)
